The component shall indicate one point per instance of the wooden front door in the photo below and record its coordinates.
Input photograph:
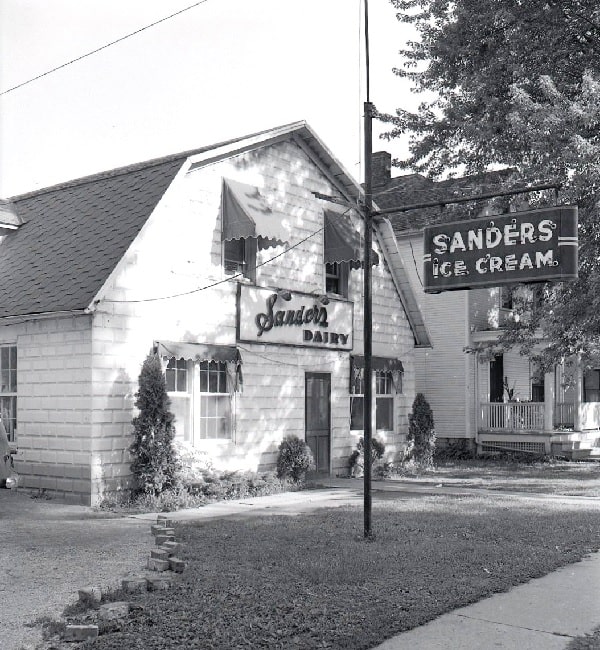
(317, 418)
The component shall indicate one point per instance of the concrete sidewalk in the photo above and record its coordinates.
(543, 614)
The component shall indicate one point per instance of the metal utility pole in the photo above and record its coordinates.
(367, 292)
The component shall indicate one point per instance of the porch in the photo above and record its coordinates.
(563, 428)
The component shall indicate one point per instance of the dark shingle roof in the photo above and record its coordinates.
(73, 234)
(411, 189)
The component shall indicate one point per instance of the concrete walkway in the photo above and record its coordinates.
(543, 614)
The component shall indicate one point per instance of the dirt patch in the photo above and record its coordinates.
(48, 551)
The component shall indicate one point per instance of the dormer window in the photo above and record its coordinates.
(249, 223)
(336, 278)
(343, 252)
(239, 256)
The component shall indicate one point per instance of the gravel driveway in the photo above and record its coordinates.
(48, 551)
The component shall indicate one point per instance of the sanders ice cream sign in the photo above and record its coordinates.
(532, 246)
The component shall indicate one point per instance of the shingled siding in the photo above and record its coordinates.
(443, 373)
(179, 252)
(53, 404)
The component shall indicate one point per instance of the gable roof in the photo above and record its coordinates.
(74, 233)
(71, 236)
(411, 189)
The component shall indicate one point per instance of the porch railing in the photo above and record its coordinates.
(564, 414)
(512, 416)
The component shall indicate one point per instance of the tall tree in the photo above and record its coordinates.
(515, 83)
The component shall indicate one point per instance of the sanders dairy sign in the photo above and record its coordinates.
(532, 246)
(292, 318)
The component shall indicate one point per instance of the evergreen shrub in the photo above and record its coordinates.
(294, 459)
(421, 432)
(155, 464)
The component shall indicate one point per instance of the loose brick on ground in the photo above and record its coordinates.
(80, 632)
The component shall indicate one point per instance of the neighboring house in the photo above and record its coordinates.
(494, 401)
(224, 262)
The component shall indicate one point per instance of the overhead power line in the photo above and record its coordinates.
(103, 47)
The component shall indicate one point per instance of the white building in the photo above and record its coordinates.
(224, 262)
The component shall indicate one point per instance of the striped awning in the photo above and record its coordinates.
(378, 363)
(342, 242)
(197, 351)
(247, 214)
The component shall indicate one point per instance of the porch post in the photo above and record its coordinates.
(549, 398)
(578, 394)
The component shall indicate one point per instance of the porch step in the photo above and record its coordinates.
(592, 453)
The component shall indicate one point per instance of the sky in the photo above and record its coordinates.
(222, 69)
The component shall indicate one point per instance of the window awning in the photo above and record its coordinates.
(247, 214)
(342, 242)
(197, 351)
(378, 363)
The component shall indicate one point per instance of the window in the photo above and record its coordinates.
(336, 278)
(177, 374)
(239, 256)
(8, 390)
(215, 406)
(384, 400)
(591, 386)
(506, 298)
(200, 399)
(357, 400)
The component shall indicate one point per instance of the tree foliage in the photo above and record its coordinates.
(515, 84)
(154, 465)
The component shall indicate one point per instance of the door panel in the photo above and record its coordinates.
(317, 418)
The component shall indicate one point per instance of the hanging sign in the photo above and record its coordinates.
(292, 318)
(518, 247)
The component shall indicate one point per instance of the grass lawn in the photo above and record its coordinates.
(312, 581)
(567, 478)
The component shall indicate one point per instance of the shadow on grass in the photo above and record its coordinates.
(312, 581)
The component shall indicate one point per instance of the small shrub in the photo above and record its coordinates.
(294, 459)
(421, 432)
(356, 460)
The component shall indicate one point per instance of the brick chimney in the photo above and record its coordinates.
(381, 166)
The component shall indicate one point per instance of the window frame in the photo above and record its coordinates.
(242, 261)
(340, 273)
(9, 391)
(378, 397)
(195, 426)
(595, 390)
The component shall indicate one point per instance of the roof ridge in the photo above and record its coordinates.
(152, 162)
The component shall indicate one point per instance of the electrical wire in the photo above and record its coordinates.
(218, 282)
(103, 47)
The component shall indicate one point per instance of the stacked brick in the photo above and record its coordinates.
(163, 563)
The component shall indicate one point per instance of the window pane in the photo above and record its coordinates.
(204, 377)
(182, 377)
(8, 416)
(384, 413)
(213, 379)
(13, 357)
(357, 413)
(5, 381)
(215, 417)
(180, 407)
(383, 382)
(4, 358)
